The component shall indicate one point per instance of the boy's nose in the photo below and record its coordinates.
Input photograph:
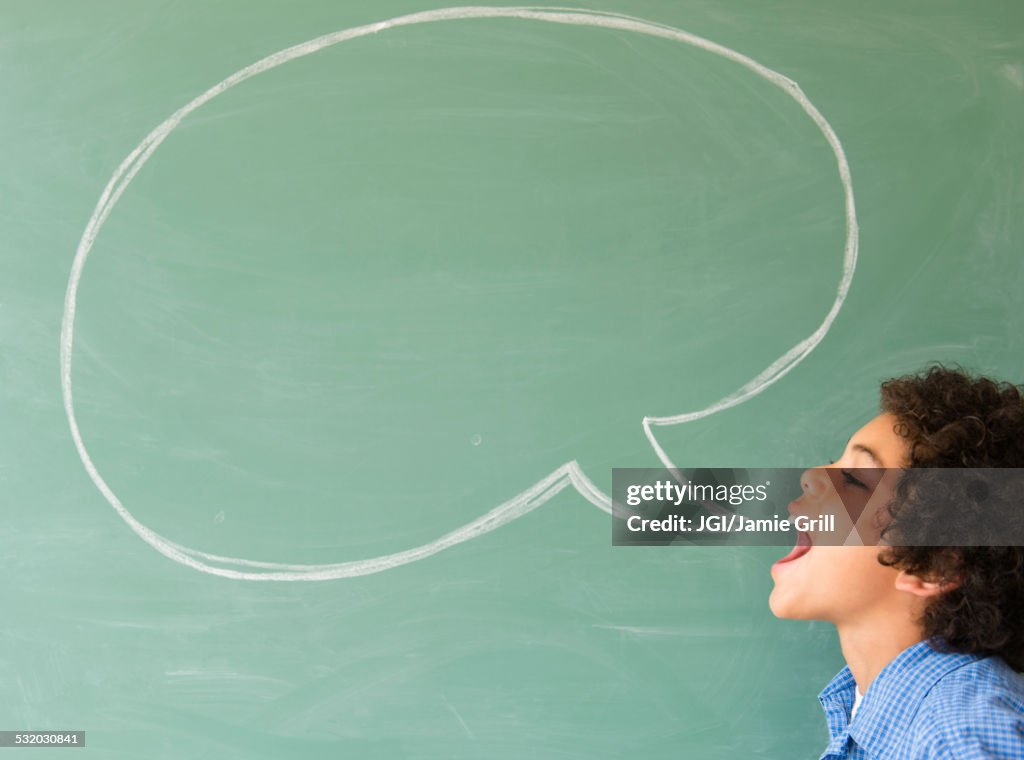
(814, 481)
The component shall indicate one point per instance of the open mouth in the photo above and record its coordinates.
(803, 545)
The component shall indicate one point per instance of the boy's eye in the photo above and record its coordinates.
(851, 480)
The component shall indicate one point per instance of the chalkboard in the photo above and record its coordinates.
(323, 328)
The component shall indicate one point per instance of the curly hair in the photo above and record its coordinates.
(953, 419)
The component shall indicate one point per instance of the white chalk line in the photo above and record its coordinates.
(569, 473)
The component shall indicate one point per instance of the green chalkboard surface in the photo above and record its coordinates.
(323, 325)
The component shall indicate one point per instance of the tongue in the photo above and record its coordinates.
(803, 545)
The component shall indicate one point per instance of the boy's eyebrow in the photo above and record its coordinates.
(861, 447)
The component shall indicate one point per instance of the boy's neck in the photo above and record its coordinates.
(867, 648)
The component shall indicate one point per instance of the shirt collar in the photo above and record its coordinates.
(891, 701)
(837, 701)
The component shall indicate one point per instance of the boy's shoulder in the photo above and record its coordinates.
(979, 684)
(973, 711)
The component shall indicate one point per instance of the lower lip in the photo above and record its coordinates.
(803, 545)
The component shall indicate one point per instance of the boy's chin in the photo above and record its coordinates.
(788, 609)
(779, 609)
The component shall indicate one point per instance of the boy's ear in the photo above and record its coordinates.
(920, 587)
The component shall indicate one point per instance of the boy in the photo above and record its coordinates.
(933, 636)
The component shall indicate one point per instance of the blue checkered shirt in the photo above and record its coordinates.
(928, 704)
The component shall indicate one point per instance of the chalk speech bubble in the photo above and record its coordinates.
(569, 473)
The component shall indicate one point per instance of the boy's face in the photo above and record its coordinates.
(842, 584)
